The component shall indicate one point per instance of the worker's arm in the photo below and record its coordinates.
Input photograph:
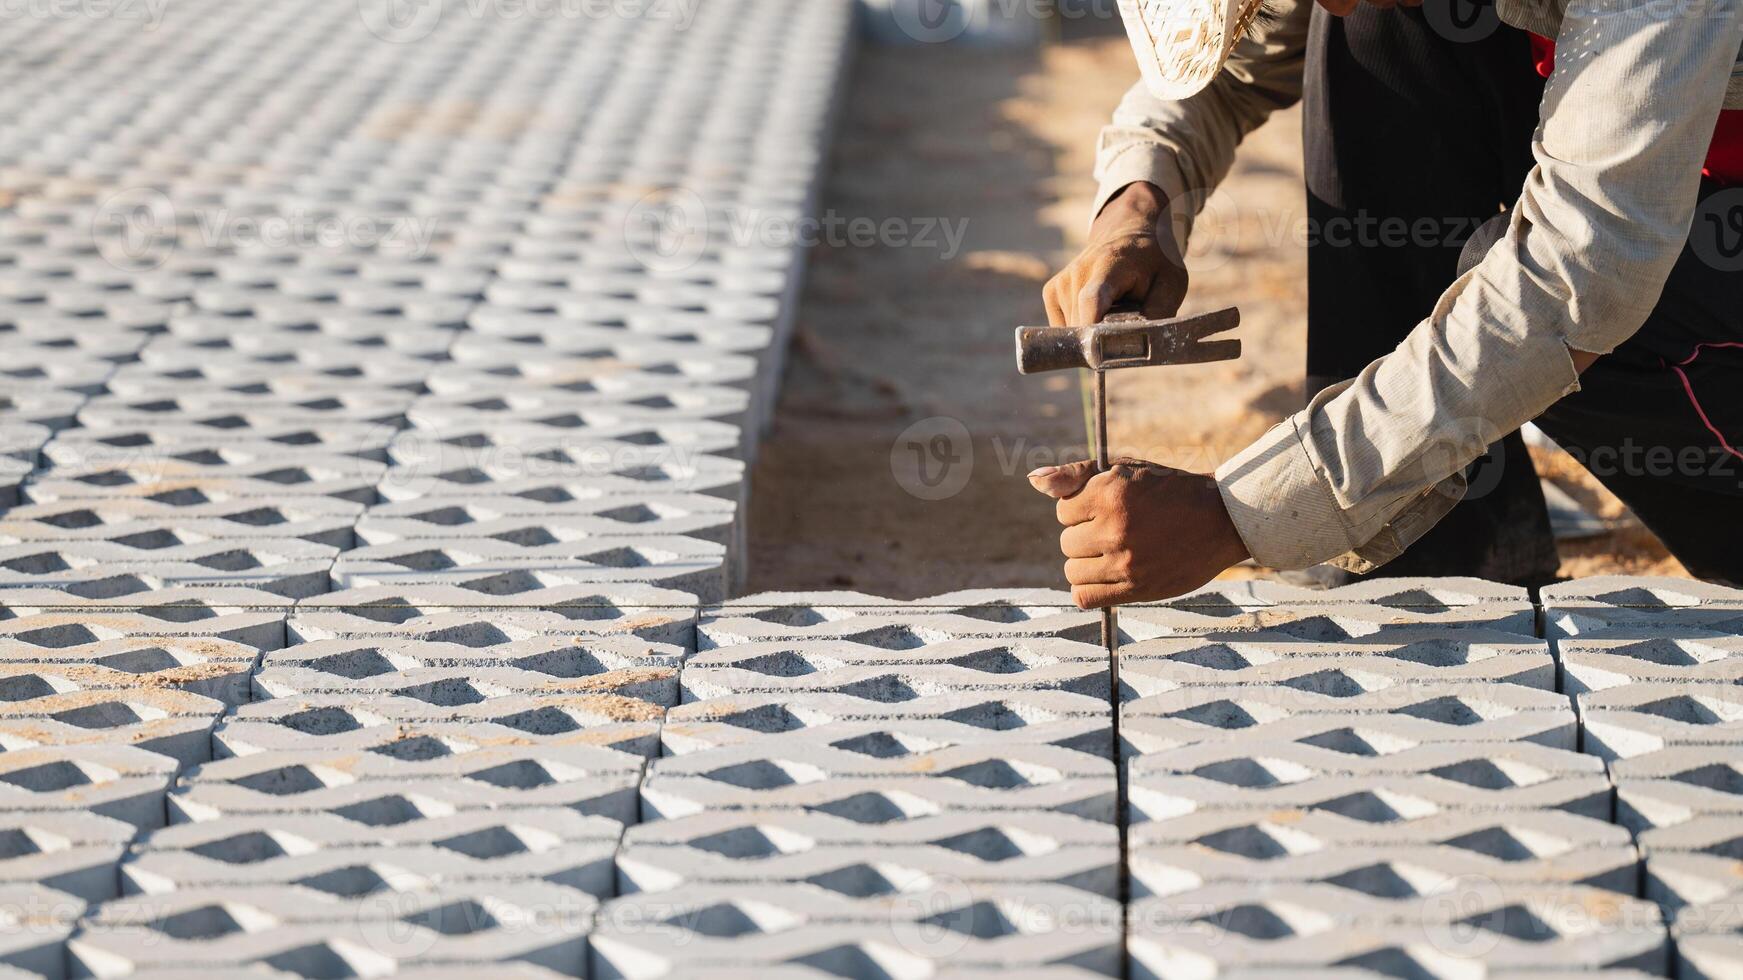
(1627, 119)
(1157, 162)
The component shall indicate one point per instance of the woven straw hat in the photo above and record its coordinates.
(1182, 44)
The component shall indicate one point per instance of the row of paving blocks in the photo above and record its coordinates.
(1388, 780)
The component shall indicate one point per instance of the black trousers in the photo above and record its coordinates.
(1418, 124)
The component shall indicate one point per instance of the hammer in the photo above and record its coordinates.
(1124, 339)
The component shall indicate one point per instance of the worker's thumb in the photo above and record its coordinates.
(1060, 482)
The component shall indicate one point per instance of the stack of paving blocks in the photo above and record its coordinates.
(1654, 666)
(376, 404)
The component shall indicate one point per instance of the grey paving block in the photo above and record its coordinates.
(1003, 711)
(873, 621)
(213, 668)
(1328, 671)
(464, 473)
(1464, 705)
(455, 686)
(973, 776)
(119, 781)
(374, 754)
(1356, 733)
(1616, 657)
(468, 922)
(172, 723)
(1709, 957)
(579, 356)
(599, 449)
(1622, 591)
(577, 774)
(1524, 835)
(490, 566)
(858, 860)
(52, 408)
(1696, 866)
(1408, 594)
(876, 674)
(34, 925)
(341, 477)
(580, 406)
(1545, 931)
(888, 738)
(530, 523)
(164, 449)
(71, 853)
(900, 949)
(1297, 775)
(323, 665)
(290, 568)
(1639, 718)
(337, 723)
(147, 524)
(452, 614)
(1675, 785)
(47, 620)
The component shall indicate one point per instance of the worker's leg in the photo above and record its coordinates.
(1413, 138)
(1660, 421)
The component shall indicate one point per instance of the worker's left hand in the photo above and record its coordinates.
(1139, 532)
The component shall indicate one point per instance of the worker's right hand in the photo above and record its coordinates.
(1132, 255)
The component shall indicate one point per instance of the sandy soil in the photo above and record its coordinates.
(893, 337)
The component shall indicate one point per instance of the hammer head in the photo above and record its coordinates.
(1127, 340)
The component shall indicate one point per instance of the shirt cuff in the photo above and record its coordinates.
(1146, 162)
(1284, 512)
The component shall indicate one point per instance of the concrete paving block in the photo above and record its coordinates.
(52, 408)
(1524, 835)
(1523, 937)
(1612, 658)
(174, 723)
(424, 747)
(1026, 716)
(1709, 957)
(878, 799)
(451, 614)
(625, 659)
(1317, 623)
(893, 625)
(336, 855)
(32, 943)
(330, 949)
(343, 478)
(1676, 785)
(611, 795)
(465, 473)
(600, 449)
(888, 738)
(530, 523)
(580, 408)
(1480, 776)
(579, 776)
(488, 567)
(898, 949)
(146, 524)
(1645, 717)
(289, 568)
(582, 356)
(1461, 704)
(1349, 675)
(47, 620)
(338, 724)
(1388, 871)
(1680, 879)
(1681, 622)
(618, 722)
(986, 763)
(211, 668)
(457, 686)
(75, 854)
(120, 781)
(1371, 733)
(897, 683)
(757, 848)
(1408, 594)
(1635, 592)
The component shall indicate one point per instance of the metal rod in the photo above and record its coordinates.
(1110, 617)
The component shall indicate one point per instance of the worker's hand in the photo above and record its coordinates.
(1139, 532)
(1131, 256)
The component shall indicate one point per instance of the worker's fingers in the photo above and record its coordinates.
(1081, 541)
(1100, 596)
(1086, 504)
(1107, 285)
(1050, 294)
(1089, 571)
(1064, 481)
(1165, 296)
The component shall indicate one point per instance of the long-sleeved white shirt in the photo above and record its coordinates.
(1627, 118)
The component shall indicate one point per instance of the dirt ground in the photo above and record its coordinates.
(902, 372)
